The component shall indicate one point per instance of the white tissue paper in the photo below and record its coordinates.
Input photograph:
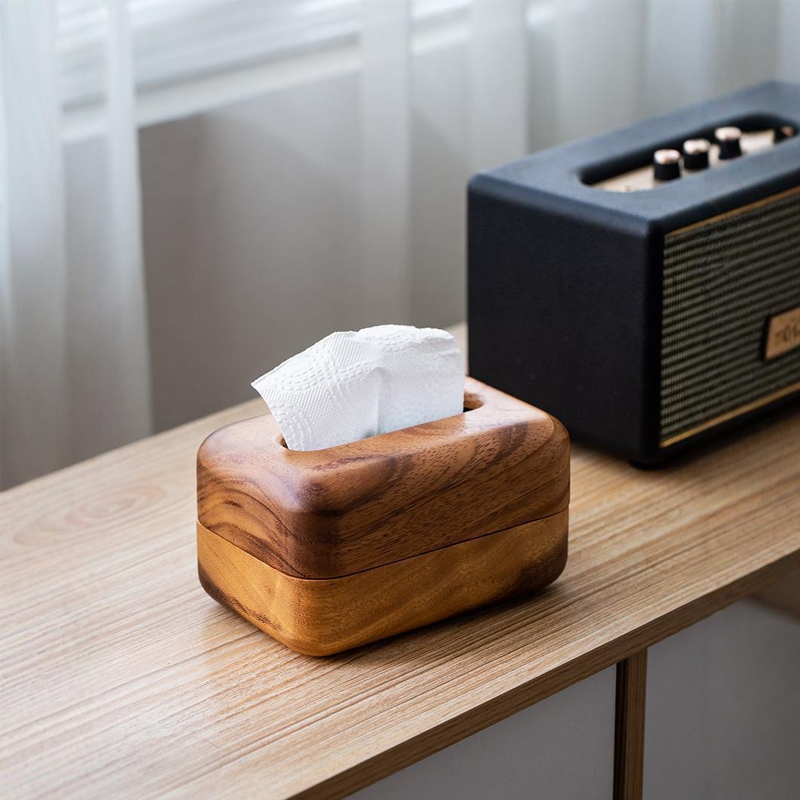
(355, 384)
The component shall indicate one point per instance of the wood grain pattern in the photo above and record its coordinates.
(122, 678)
(329, 513)
(321, 617)
(629, 727)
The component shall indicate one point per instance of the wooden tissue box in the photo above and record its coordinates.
(330, 549)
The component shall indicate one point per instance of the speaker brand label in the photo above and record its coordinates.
(783, 333)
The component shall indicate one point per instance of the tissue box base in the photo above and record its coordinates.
(322, 617)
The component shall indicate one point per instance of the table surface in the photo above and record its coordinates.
(120, 676)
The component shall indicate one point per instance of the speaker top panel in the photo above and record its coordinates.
(670, 171)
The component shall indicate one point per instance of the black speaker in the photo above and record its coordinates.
(644, 285)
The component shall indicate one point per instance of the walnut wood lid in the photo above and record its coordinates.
(334, 512)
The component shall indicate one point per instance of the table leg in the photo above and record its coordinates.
(629, 727)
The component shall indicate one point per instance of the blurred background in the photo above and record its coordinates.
(193, 190)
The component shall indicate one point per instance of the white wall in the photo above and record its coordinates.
(249, 225)
(247, 213)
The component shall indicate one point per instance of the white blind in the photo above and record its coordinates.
(179, 40)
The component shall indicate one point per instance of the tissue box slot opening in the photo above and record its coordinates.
(471, 402)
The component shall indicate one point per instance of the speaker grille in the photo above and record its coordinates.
(723, 279)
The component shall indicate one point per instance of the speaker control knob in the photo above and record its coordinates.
(695, 154)
(730, 142)
(666, 165)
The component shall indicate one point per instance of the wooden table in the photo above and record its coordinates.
(120, 677)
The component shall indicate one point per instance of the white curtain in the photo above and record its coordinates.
(307, 174)
(75, 367)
